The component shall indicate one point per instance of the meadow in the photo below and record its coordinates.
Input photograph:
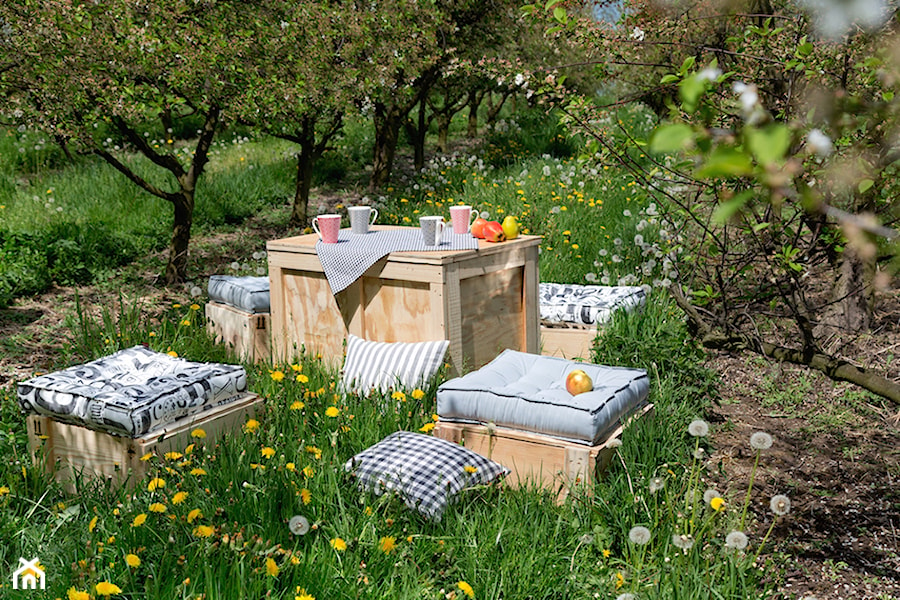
(215, 520)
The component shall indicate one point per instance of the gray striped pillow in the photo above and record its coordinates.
(383, 365)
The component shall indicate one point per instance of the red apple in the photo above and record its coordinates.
(578, 382)
(477, 228)
(493, 232)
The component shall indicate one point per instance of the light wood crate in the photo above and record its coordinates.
(483, 301)
(572, 343)
(75, 452)
(536, 460)
(248, 334)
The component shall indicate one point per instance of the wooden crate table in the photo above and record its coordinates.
(74, 452)
(245, 332)
(482, 301)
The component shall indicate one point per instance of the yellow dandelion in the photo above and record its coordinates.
(297, 368)
(147, 457)
(338, 544)
(271, 567)
(717, 503)
(92, 524)
(297, 405)
(620, 579)
(74, 594)
(268, 452)
(195, 306)
(157, 507)
(186, 322)
(198, 434)
(290, 467)
(105, 588)
(435, 418)
(387, 544)
(251, 425)
(332, 411)
(193, 515)
(470, 469)
(308, 471)
(197, 471)
(277, 375)
(606, 553)
(302, 378)
(139, 520)
(173, 455)
(305, 496)
(155, 484)
(203, 531)
(426, 428)
(172, 353)
(189, 448)
(315, 451)
(133, 560)
(418, 394)
(398, 395)
(179, 497)
(302, 595)
(465, 588)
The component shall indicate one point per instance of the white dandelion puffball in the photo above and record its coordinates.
(709, 494)
(736, 540)
(698, 428)
(639, 535)
(656, 484)
(683, 541)
(299, 525)
(780, 504)
(760, 441)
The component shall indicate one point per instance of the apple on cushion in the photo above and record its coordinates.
(578, 382)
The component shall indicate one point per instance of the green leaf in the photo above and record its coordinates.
(669, 79)
(690, 89)
(687, 65)
(726, 161)
(770, 143)
(551, 3)
(672, 137)
(865, 185)
(726, 210)
(559, 13)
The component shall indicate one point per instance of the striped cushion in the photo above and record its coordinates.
(249, 294)
(382, 365)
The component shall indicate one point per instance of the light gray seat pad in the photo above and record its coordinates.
(528, 392)
(249, 294)
(133, 392)
(586, 304)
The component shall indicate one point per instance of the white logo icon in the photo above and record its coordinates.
(29, 575)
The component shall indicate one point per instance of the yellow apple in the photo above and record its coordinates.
(510, 227)
(578, 382)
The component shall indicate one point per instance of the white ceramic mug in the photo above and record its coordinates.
(432, 230)
(461, 218)
(327, 226)
(361, 217)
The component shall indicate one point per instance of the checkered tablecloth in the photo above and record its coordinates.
(345, 261)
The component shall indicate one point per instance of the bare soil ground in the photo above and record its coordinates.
(835, 454)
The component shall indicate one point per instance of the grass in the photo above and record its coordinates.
(220, 529)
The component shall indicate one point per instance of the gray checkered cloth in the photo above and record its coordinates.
(346, 261)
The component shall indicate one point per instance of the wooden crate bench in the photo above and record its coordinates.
(73, 451)
(536, 460)
(247, 333)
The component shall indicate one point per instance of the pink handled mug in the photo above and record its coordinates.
(461, 217)
(327, 226)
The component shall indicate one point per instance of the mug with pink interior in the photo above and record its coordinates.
(461, 217)
(327, 226)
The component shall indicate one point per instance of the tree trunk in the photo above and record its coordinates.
(303, 183)
(474, 102)
(850, 310)
(443, 120)
(176, 268)
(417, 133)
(388, 118)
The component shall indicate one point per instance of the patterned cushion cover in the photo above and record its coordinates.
(586, 304)
(249, 294)
(132, 392)
(382, 365)
(426, 472)
(528, 392)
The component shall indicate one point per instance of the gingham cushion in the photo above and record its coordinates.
(383, 365)
(132, 392)
(249, 294)
(586, 304)
(426, 472)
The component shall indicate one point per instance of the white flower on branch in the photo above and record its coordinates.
(637, 34)
(818, 143)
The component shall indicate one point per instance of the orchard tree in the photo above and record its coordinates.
(86, 72)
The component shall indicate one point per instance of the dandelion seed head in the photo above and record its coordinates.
(639, 535)
(656, 484)
(736, 540)
(709, 494)
(698, 428)
(780, 504)
(683, 541)
(760, 441)
(299, 525)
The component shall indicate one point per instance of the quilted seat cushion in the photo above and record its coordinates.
(586, 304)
(528, 392)
(249, 294)
(133, 392)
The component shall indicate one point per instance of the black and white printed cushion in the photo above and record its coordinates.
(528, 392)
(383, 365)
(249, 294)
(133, 392)
(586, 304)
(426, 472)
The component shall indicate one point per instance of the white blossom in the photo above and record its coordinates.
(637, 34)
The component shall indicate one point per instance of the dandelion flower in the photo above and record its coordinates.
(656, 484)
(139, 520)
(302, 595)
(203, 531)
(418, 394)
(133, 560)
(698, 428)
(179, 497)
(105, 588)
(338, 544)
(470, 469)
(736, 540)
(268, 452)
(198, 434)
(74, 594)
(173, 455)
(308, 471)
(271, 567)
(717, 503)
(298, 525)
(301, 378)
(780, 504)
(639, 535)
(251, 425)
(683, 541)
(157, 507)
(197, 472)
(155, 484)
(305, 496)
(760, 441)
(290, 467)
(147, 457)
(332, 411)
(193, 515)
(276, 375)
(465, 588)
(426, 428)
(387, 544)
(297, 405)
(398, 395)
(92, 524)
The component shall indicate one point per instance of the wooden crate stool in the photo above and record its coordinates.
(237, 315)
(516, 411)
